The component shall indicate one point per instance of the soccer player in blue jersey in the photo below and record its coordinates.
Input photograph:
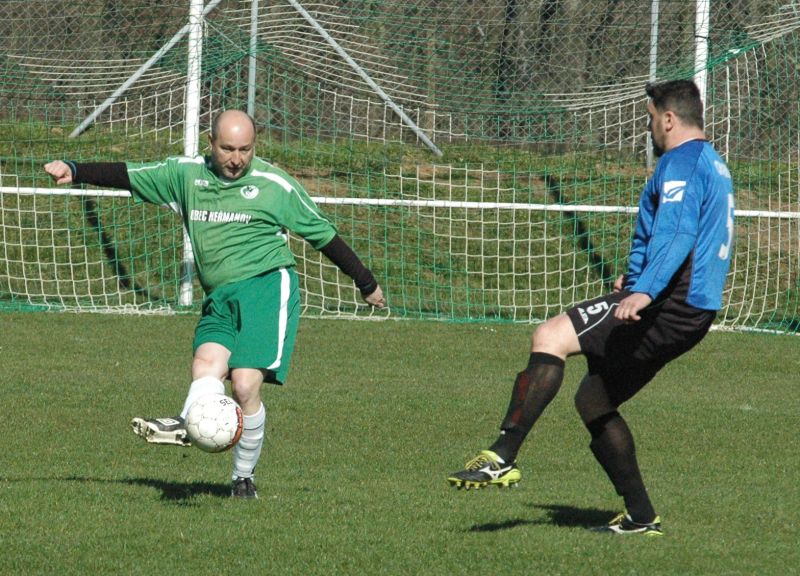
(660, 309)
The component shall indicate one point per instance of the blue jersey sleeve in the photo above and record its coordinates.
(636, 259)
(672, 213)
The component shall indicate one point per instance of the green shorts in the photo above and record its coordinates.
(256, 319)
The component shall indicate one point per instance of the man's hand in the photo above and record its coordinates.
(376, 298)
(59, 171)
(619, 283)
(630, 306)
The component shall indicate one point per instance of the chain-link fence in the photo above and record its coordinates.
(477, 61)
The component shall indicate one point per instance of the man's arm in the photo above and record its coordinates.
(111, 174)
(348, 262)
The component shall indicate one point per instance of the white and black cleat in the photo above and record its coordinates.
(162, 430)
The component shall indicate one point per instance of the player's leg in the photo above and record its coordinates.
(213, 339)
(209, 367)
(537, 385)
(613, 446)
(534, 389)
(630, 358)
(269, 311)
(246, 388)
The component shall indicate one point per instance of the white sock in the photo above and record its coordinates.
(201, 387)
(248, 449)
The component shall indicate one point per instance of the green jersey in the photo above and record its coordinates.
(237, 228)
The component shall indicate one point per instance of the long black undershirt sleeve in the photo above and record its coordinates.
(348, 262)
(111, 174)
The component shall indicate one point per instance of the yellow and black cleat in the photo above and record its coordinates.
(486, 469)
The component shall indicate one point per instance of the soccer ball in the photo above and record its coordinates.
(214, 422)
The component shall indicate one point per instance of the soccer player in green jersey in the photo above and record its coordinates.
(236, 209)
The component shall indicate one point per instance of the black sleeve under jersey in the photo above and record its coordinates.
(348, 262)
(111, 174)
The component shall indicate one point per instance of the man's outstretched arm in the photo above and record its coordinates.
(111, 174)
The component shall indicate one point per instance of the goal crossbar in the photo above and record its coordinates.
(388, 202)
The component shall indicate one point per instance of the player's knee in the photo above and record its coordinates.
(546, 338)
(556, 336)
(210, 359)
(591, 399)
(246, 387)
(597, 426)
(586, 408)
(542, 334)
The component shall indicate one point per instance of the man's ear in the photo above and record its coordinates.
(669, 120)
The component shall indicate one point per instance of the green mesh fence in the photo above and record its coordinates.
(485, 158)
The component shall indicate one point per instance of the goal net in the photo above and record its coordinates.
(485, 159)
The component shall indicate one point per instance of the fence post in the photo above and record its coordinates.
(701, 31)
(365, 77)
(654, 13)
(251, 71)
(133, 78)
(191, 131)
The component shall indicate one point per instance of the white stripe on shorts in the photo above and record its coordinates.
(597, 321)
(283, 316)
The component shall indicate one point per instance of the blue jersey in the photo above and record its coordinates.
(683, 239)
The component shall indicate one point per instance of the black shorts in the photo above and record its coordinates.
(627, 355)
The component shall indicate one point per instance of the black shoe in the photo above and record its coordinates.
(243, 488)
(162, 430)
(623, 524)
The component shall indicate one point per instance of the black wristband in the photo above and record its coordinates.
(369, 287)
(72, 168)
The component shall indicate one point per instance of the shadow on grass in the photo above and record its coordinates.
(181, 491)
(178, 492)
(557, 515)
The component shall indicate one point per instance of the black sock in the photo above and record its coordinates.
(534, 388)
(613, 447)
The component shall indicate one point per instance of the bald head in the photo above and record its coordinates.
(232, 138)
(231, 119)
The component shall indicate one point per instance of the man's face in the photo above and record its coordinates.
(233, 149)
(656, 125)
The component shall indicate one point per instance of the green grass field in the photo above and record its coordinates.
(352, 478)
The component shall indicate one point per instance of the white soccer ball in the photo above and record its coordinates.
(214, 422)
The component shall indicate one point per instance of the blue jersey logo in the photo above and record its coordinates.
(673, 191)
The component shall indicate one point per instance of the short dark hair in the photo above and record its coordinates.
(215, 123)
(682, 97)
